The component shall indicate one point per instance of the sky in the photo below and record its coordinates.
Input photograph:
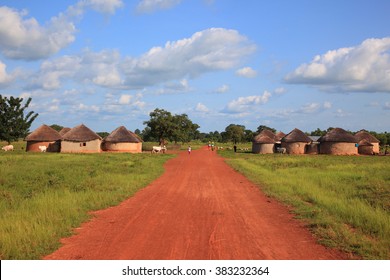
(284, 64)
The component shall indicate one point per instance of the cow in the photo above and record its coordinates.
(159, 149)
(281, 150)
(8, 148)
(42, 148)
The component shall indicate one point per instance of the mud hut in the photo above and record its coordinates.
(365, 148)
(279, 135)
(43, 136)
(264, 142)
(314, 147)
(81, 139)
(122, 140)
(338, 142)
(364, 135)
(295, 142)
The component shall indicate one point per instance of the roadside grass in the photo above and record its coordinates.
(44, 196)
(344, 200)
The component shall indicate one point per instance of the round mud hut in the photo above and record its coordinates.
(81, 139)
(264, 142)
(365, 147)
(43, 136)
(364, 135)
(338, 142)
(122, 140)
(295, 142)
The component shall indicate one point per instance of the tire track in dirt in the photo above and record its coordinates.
(200, 208)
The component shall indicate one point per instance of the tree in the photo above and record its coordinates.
(234, 133)
(56, 127)
(262, 127)
(14, 124)
(165, 126)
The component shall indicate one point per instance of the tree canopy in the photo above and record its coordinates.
(164, 126)
(14, 123)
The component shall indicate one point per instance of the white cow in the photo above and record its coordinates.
(281, 150)
(8, 148)
(42, 148)
(159, 149)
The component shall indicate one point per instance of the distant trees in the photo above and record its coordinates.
(14, 123)
(56, 127)
(234, 133)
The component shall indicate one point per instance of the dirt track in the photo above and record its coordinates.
(199, 209)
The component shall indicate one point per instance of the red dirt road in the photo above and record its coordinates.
(200, 208)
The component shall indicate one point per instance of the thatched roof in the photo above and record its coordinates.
(364, 135)
(265, 137)
(64, 130)
(279, 135)
(296, 135)
(43, 133)
(338, 135)
(137, 136)
(364, 142)
(121, 135)
(80, 133)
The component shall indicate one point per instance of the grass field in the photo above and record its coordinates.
(345, 200)
(43, 196)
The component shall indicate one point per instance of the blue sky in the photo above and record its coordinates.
(284, 64)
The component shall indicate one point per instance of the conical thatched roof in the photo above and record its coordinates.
(80, 133)
(64, 130)
(43, 133)
(338, 135)
(296, 135)
(120, 135)
(265, 137)
(364, 142)
(137, 136)
(279, 135)
(364, 135)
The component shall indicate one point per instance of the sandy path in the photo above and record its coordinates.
(199, 209)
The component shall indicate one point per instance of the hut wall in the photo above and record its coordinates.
(312, 149)
(365, 150)
(123, 147)
(258, 148)
(338, 148)
(294, 148)
(81, 147)
(375, 148)
(51, 146)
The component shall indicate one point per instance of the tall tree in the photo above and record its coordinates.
(234, 133)
(185, 130)
(161, 125)
(14, 123)
(262, 127)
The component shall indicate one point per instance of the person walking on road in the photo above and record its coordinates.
(189, 150)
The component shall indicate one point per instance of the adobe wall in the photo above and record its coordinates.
(336, 148)
(51, 146)
(295, 148)
(258, 148)
(312, 149)
(365, 150)
(81, 147)
(122, 147)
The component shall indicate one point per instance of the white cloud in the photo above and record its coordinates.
(150, 6)
(125, 99)
(365, 67)
(247, 104)
(201, 108)
(209, 50)
(327, 105)
(23, 37)
(222, 89)
(280, 90)
(387, 106)
(5, 78)
(246, 72)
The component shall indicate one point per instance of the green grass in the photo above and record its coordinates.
(344, 200)
(44, 196)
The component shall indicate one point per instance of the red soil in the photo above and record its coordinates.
(200, 208)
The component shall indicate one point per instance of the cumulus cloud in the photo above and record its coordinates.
(23, 37)
(363, 68)
(222, 89)
(201, 108)
(247, 104)
(5, 78)
(313, 108)
(150, 6)
(246, 72)
(209, 50)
